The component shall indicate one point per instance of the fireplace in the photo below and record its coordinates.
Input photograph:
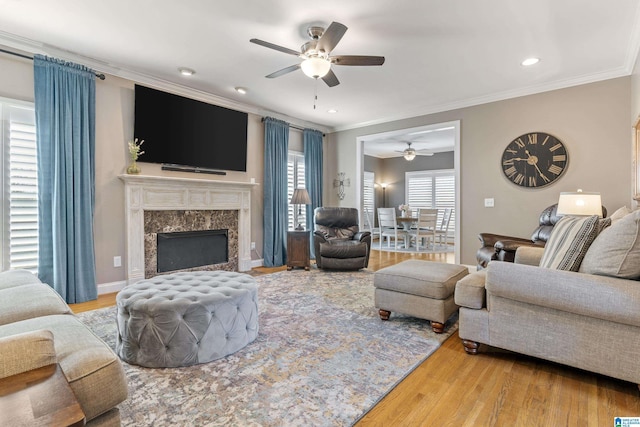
(163, 204)
(176, 228)
(190, 249)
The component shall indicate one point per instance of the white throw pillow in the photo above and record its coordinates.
(620, 213)
(569, 241)
(616, 251)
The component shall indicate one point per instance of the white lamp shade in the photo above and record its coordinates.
(315, 67)
(580, 204)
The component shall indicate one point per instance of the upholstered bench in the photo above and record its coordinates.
(422, 289)
(184, 319)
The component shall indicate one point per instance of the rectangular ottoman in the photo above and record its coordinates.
(418, 288)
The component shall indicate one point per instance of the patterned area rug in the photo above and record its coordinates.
(323, 357)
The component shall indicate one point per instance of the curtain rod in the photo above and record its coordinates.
(291, 126)
(98, 75)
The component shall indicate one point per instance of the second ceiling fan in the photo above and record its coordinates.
(316, 54)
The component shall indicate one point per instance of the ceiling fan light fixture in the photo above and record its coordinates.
(315, 67)
(409, 154)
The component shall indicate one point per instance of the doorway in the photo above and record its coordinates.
(434, 147)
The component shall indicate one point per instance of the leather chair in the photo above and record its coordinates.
(337, 240)
(503, 248)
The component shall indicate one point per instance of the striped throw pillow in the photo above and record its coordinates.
(569, 241)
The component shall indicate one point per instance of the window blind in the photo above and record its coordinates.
(295, 179)
(432, 189)
(20, 185)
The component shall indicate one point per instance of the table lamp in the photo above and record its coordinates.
(580, 204)
(300, 197)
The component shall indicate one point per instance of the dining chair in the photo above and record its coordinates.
(443, 229)
(426, 224)
(389, 227)
(368, 221)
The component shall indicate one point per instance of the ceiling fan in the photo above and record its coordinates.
(316, 54)
(410, 153)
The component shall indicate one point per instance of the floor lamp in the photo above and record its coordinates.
(384, 195)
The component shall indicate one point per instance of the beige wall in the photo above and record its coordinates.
(592, 120)
(114, 127)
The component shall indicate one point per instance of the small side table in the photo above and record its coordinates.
(298, 249)
(39, 397)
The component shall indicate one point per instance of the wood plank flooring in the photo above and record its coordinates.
(493, 388)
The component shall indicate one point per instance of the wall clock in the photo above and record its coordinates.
(534, 160)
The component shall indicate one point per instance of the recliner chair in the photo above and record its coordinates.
(503, 248)
(337, 240)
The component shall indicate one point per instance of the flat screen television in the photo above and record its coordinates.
(182, 131)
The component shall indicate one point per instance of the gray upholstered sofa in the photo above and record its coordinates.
(37, 328)
(587, 321)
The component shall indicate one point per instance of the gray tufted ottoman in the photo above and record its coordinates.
(184, 319)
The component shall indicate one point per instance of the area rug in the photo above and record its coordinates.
(322, 357)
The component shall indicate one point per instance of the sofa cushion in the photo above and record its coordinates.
(14, 278)
(569, 242)
(470, 290)
(30, 300)
(616, 251)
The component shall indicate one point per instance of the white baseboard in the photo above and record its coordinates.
(109, 288)
(257, 262)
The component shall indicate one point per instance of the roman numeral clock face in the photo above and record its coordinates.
(534, 160)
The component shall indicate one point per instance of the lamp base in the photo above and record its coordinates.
(300, 227)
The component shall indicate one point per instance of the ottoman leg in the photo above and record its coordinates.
(437, 327)
(384, 314)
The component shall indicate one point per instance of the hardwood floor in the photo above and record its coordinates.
(493, 388)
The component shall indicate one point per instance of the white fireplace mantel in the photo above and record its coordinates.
(145, 192)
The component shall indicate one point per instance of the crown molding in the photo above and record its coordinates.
(32, 47)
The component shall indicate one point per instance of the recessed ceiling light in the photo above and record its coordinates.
(241, 90)
(530, 61)
(186, 71)
(332, 111)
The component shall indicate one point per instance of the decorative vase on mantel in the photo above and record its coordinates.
(133, 168)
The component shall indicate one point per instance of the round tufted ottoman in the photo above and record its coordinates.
(184, 319)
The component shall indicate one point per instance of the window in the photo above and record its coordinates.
(432, 189)
(295, 179)
(368, 200)
(19, 185)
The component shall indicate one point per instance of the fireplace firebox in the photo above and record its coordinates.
(190, 249)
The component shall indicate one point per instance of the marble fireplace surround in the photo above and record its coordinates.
(153, 193)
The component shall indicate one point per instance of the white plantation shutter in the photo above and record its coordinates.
(295, 179)
(432, 189)
(20, 185)
(368, 198)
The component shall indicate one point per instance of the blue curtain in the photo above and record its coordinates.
(312, 140)
(276, 146)
(65, 126)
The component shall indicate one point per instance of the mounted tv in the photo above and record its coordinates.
(179, 131)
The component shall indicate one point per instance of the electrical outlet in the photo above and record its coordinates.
(117, 261)
(253, 246)
(489, 203)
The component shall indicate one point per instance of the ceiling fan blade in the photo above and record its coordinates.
(283, 71)
(331, 37)
(330, 79)
(275, 47)
(357, 60)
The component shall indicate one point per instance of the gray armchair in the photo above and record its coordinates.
(338, 242)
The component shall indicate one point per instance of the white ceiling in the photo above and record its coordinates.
(439, 54)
